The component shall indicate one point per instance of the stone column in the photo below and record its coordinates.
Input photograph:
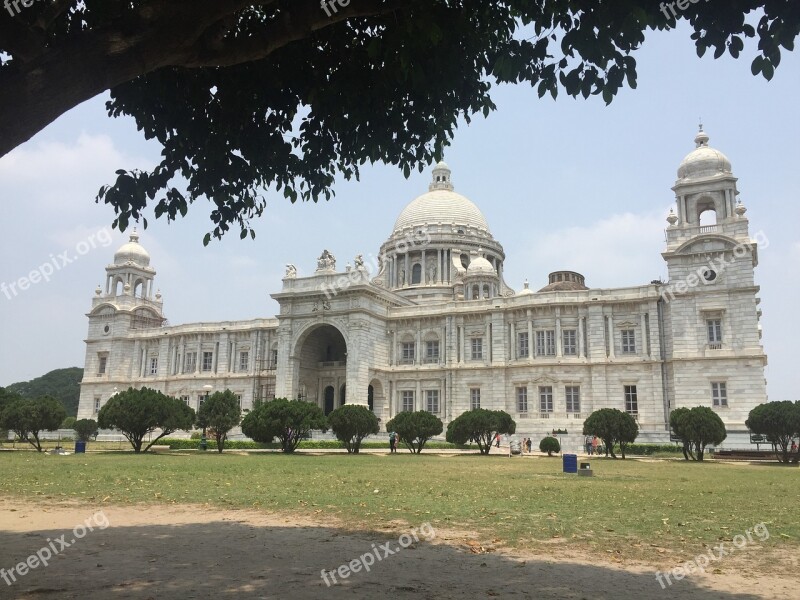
(408, 269)
(394, 348)
(530, 336)
(643, 342)
(610, 334)
(513, 350)
(418, 396)
(461, 344)
(487, 349)
(581, 349)
(559, 341)
(423, 278)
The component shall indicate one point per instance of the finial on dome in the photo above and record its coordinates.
(98, 290)
(134, 236)
(701, 139)
(526, 285)
(740, 208)
(441, 177)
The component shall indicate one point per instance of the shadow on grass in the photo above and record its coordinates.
(239, 558)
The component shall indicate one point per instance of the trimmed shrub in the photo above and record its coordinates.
(550, 444)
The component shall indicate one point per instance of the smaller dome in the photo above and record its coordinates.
(525, 291)
(704, 161)
(565, 281)
(480, 266)
(132, 251)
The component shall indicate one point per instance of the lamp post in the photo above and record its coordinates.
(203, 441)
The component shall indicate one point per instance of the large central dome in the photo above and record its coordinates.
(441, 205)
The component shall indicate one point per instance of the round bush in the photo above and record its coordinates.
(549, 445)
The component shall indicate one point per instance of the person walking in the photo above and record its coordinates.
(496, 440)
(588, 443)
(392, 442)
(594, 444)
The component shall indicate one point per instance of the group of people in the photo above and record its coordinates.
(591, 445)
(527, 445)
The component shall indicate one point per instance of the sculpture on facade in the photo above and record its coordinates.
(291, 272)
(326, 261)
(359, 261)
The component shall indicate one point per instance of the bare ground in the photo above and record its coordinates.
(198, 552)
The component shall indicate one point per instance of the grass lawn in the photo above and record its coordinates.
(634, 508)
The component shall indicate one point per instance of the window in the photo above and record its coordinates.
(97, 404)
(416, 274)
(631, 400)
(407, 400)
(522, 399)
(432, 401)
(239, 398)
(200, 399)
(208, 360)
(719, 393)
(714, 327)
(522, 344)
(407, 353)
(546, 343)
(274, 364)
(185, 399)
(570, 340)
(101, 366)
(628, 341)
(244, 361)
(477, 348)
(432, 351)
(190, 362)
(474, 398)
(573, 396)
(545, 399)
(153, 365)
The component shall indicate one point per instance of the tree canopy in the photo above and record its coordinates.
(613, 426)
(415, 428)
(480, 425)
(549, 444)
(139, 413)
(85, 429)
(28, 417)
(780, 422)
(220, 413)
(697, 428)
(252, 95)
(351, 423)
(288, 420)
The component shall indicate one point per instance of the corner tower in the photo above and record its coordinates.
(125, 303)
(710, 304)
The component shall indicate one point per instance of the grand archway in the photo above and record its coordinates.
(322, 358)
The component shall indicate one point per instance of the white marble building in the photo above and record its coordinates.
(434, 326)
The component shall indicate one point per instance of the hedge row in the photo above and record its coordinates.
(184, 444)
(650, 449)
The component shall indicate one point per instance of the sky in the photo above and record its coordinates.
(565, 184)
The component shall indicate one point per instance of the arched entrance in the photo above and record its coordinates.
(371, 398)
(376, 399)
(322, 356)
(343, 394)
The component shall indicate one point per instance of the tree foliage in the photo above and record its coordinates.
(28, 417)
(697, 428)
(480, 425)
(351, 423)
(139, 413)
(780, 422)
(415, 428)
(245, 95)
(62, 384)
(613, 426)
(219, 414)
(550, 444)
(288, 420)
(85, 429)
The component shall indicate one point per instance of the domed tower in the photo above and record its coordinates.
(126, 303)
(710, 303)
(435, 240)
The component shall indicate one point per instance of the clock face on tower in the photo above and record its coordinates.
(709, 275)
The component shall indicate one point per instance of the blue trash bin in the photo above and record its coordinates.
(80, 447)
(570, 463)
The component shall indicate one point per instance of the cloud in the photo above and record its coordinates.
(60, 176)
(620, 250)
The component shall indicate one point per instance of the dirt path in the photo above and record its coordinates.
(192, 552)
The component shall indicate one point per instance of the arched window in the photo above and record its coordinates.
(416, 274)
(486, 293)
(476, 292)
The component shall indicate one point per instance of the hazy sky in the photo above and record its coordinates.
(564, 184)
